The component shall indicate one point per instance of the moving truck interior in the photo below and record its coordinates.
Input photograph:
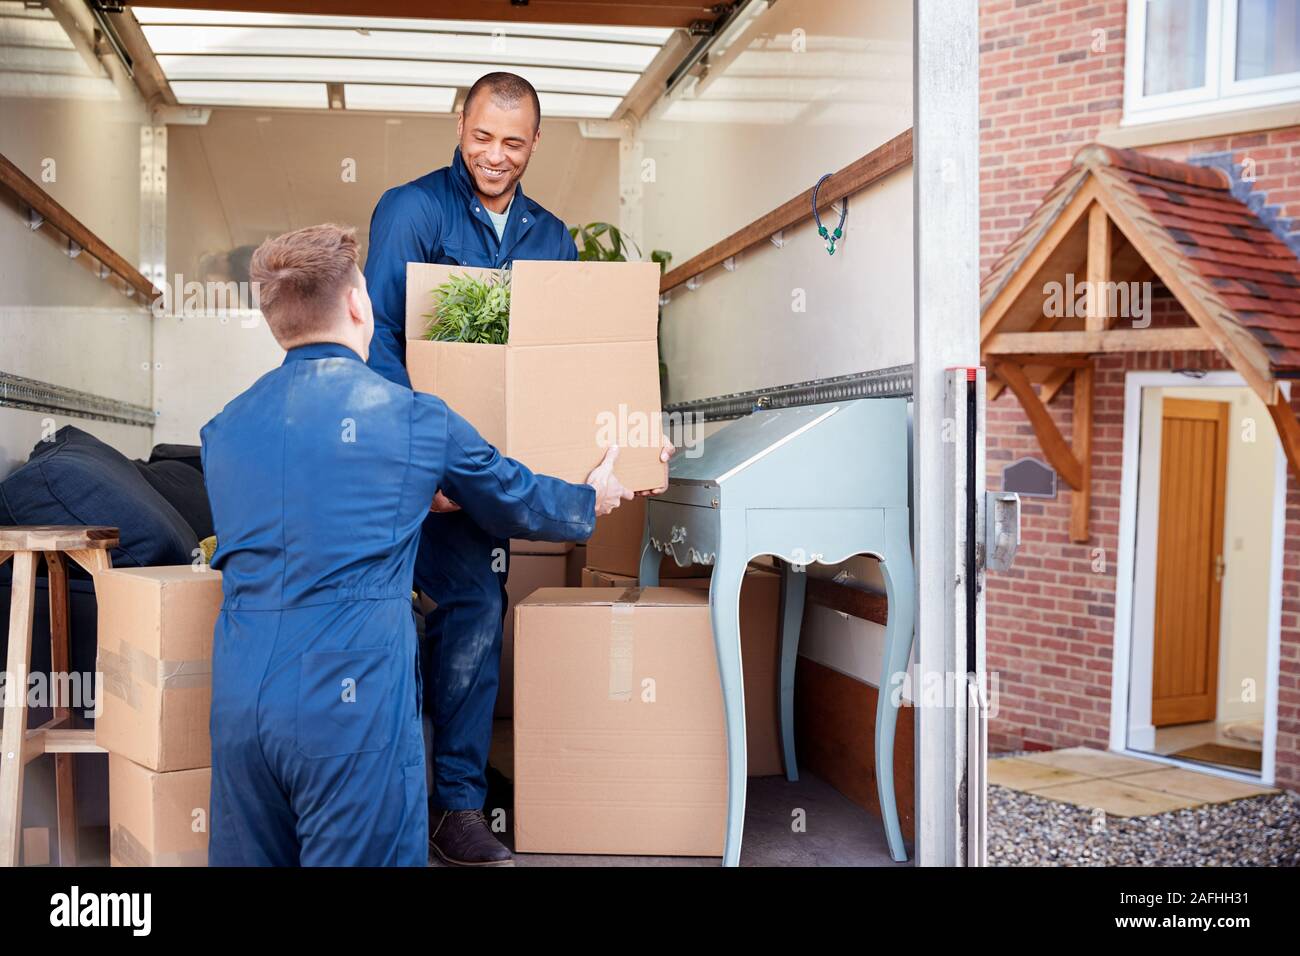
(147, 149)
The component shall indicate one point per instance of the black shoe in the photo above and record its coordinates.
(463, 838)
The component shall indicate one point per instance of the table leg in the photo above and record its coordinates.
(794, 586)
(12, 759)
(648, 572)
(61, 663)
(896, 568)
(724, 609)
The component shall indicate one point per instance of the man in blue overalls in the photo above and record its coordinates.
(320, 476)
(471, 213)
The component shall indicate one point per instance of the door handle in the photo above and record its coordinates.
(1219, 567)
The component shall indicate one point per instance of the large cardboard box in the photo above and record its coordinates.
(528, 572)
(619, 735)
(615, 545)
(760, 655)
(155, 655)
(579, 372)
(574, 564)
(618, 728)
(157, 819)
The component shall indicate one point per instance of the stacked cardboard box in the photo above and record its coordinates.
(619, 734)
(155, 655)
(578, 373)
(615, 547)
(533, 565)
(760, 651)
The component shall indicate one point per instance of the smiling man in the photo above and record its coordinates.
(471, 213)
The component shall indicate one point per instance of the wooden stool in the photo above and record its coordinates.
(19, 746)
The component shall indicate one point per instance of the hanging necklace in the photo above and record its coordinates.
(831, 237)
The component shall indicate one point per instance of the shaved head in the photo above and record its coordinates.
(508, 90)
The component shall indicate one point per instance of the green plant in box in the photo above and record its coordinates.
(602, 242)
(470, 309)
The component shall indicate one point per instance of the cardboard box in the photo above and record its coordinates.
(523, 546)
(574, 563)
(598, 767)
(760, 657)
(155, 655)
(157, 819)
(615, 545)
(528, 572)
(579, 372)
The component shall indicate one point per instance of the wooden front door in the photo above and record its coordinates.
(1189, 560)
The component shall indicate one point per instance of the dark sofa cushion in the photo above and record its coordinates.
(76, 479)
(184, 490)
(191, 455)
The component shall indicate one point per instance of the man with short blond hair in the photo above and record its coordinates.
(320, 476)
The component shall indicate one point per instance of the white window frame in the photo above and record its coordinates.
(1222, 91)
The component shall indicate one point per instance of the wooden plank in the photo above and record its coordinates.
(149, 77)
(635, 13)
(1066, 220)
(1099, 250)
(30, 194)
(56, 537)
(1055, 449)
(835, 720)
(1129, 266)
(1081, 445)
(58, 587)
(1185, 339)
(22, 602)
(93, 560)
(1126, 266)
(1288, 432)
(60, 664)
(68, 741)
(1056, 360)
(853, 178)
(856, 602)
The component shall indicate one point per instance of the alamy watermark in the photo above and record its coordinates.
(74, 690)
(215, 297)
(1116, 300)
(629, 428)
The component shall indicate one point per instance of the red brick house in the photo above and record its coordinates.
(1157, 611)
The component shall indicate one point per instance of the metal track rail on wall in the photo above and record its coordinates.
(35, 396)
(892, 382)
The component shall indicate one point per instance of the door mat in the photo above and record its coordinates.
(1223, 755)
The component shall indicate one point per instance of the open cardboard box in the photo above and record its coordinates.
(580, 370)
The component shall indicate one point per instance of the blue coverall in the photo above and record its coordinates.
(320, 476)
(461, 565)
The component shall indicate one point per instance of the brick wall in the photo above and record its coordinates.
(1052, 75)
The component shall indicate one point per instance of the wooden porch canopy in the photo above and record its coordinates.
(1119, 217)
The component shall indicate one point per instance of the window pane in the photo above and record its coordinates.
(1175, 47)
(1268, 38)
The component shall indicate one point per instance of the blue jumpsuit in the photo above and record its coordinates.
(461, 565)
(319, 477)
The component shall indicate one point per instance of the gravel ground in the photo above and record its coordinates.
(1025, 830)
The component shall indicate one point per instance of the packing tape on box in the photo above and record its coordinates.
(129, 851)
(621, 645)
(125, 670)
